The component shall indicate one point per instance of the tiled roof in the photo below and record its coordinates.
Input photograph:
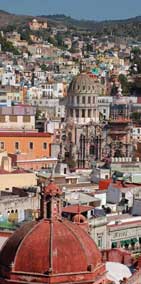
(19, 171)
(25, 134)
(76, 208)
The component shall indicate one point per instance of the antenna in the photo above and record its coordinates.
(79, 210)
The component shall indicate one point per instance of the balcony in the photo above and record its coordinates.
(119, 120)
(117, 132)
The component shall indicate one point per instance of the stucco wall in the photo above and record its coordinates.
(17, 180)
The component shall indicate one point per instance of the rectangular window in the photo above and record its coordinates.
(83, 112)
(89, 112)
(17, 145)
(31, 145)
(77, 99)
(72, 100)
(13, 118)
(138, 130)
(93, 100)
(2, 146)
(100, 242)
(123, 194)
(26, 118)
(2, 118)
(77, 112)
(83, 100)
(45, 145)
(89, 100)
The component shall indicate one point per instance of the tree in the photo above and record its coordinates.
(52, 40)
(124, 84)
(25, 35)
(38, 114)
(136, 116)
(8, 46)
(44, 67)
(136, 59)
(59, 39)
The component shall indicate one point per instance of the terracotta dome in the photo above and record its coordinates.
(50, 250)
(44, 246)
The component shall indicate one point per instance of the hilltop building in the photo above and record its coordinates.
(35, 25)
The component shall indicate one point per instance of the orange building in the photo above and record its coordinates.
(37, 144)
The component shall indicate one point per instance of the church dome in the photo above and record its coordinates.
(51, 249)
(82, 84)
(59, 246)
(34, 21)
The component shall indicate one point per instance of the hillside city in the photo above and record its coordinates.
(70, 152)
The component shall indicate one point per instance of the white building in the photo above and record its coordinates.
(8, 77)
(103, 103)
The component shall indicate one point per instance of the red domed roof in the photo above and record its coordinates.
(52, 189)
(49, 245)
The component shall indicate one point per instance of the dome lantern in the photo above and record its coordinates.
(50, 201)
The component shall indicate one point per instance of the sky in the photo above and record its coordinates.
(79, 9)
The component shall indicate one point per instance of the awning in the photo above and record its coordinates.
(128, 242)
(134, 240)
(125, 242)
(114, 244)
(122, 243)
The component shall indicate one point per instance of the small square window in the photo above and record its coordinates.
(13, 118)
(2, 118)
(26, 118)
